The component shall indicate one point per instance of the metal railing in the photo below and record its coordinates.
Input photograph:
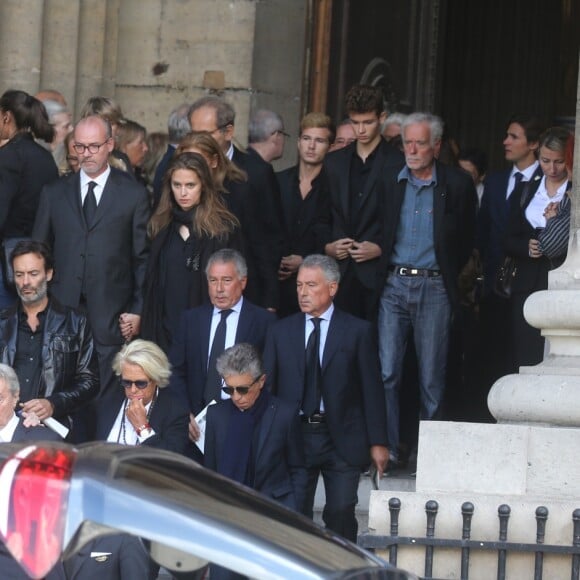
(502, 546)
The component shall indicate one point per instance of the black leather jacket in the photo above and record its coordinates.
(70, 372)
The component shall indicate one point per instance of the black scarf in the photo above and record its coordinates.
(240, 440)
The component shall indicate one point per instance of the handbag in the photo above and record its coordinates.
(505, 277)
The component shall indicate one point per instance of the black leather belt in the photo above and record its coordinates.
(407, 271)
(316, 418)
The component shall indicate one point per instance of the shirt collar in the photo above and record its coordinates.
(527, 172)
(406, 174)
(326, 315)
(230, 152)
(101, 180)
(7, 432)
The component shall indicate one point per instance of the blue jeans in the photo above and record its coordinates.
(418, 304)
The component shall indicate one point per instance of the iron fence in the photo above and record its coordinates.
(466, 544)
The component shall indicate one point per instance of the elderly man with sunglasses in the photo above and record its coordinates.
(253, 437)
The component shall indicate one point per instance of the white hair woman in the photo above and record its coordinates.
(146, 413)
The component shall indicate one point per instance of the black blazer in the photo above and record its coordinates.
(39, 433)
(352, 389)
(279, 465)
(532, 273)
(124, 558)
(491, 224)
(454, 211)
(265, 228)
(25, 168)
(112, 254)
(168, 419)
(190, 350)
(366, 225)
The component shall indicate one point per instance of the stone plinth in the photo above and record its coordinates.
(524, 466)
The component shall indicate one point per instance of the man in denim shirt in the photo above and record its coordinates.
(428, 225)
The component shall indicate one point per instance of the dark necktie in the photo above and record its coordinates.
(311, 399)
(518, 176)
(213, 382)
(90, 204)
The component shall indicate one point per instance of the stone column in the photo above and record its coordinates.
(21, 27)
(59, 47)
(90, 51)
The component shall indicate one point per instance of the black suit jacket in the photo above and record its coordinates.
(169, 419)
(25, 168)
(111, 255)
(265, 229)
(366, 225)
(190, 350)
(124, 558)
(532, 273)
(491, 224)
(279, 471)
(39, 433)
(454, 210)
(352, 389)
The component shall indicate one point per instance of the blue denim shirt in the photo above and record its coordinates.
(414, 241)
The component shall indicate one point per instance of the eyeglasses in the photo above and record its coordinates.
(281, 132)
(240, 390)
(127, 384)
(92, 148)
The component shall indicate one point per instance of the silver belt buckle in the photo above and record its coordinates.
(403, 271)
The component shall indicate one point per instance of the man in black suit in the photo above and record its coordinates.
(428, 223)
(254, 437)
(14, 429)
(521, 150)
(353, 173)
(305, 204)
(261, 219)
(324, 362)
(95, 221)
(193, 355)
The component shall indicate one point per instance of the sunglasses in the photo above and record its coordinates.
(127, 384)
(240, 390)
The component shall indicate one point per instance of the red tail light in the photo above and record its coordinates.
(35, 484)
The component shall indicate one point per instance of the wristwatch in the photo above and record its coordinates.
(145, 430)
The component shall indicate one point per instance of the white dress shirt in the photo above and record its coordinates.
(7, 432)
(101, 181)
(131, 437)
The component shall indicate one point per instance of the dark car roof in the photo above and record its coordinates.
(174, 502)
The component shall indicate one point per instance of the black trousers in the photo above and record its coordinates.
(340, 481)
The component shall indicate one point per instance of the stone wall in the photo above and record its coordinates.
(152, 55)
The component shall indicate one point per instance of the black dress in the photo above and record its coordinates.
(176, 279)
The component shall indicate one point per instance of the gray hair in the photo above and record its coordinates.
(228, 256)
(224, 112)
(8, 375)
(435, 125)
(555, 139)
(54, 108)
(263, 125)
(149, 357)
(394, 119)
(241, 359)
(178, 123)
(328, 265)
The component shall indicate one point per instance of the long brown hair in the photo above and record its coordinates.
(211, 219)
(209, 146)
